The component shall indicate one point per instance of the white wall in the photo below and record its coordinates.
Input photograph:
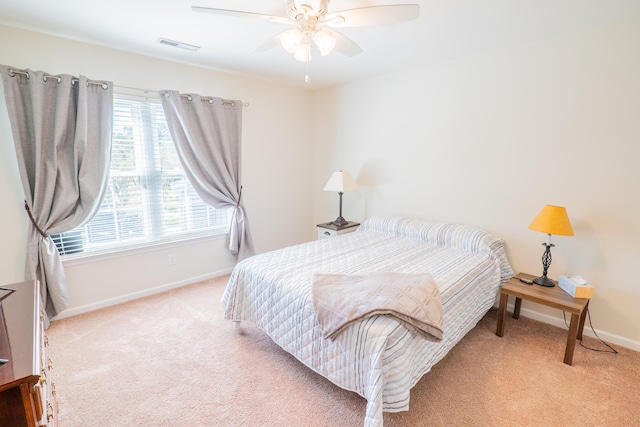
(276, 169)
(490, 139)
(485, 140)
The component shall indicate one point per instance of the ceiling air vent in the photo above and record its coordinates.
(180, 45)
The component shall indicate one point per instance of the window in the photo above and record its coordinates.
(148, 199)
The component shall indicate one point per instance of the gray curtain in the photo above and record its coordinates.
(61, 128)
(207, 134)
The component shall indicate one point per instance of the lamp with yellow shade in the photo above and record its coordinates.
(550, 220)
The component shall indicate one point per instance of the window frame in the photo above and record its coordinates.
(163, 240)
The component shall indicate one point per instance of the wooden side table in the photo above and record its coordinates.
(329, 229)
(551, 297)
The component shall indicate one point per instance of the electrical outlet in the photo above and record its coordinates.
(172, 259)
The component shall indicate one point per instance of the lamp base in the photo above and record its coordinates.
(340, 222)
(544, 281)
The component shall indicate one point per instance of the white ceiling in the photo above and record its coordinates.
(446, 29)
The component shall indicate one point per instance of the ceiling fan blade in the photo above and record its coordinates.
(372, 15)
(269, 44)
(345, 45)
(241, 14)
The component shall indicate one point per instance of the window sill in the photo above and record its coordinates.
(79, 259)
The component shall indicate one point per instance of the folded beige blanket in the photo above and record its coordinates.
(412, 299)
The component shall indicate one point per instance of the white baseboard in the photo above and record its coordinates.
(605, 336)
(135, 295)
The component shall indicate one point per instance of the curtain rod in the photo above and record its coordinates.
(104, 86)
(184, 95)
(74, 80)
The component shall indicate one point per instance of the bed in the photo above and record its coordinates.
(376, 357)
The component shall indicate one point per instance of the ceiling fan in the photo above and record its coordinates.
(314, 22)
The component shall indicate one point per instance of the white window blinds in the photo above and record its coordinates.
(148, 198)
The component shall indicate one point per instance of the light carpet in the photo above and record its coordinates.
(171, 360)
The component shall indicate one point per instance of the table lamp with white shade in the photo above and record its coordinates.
(340, 182)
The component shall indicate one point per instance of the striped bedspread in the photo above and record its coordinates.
(376, 357)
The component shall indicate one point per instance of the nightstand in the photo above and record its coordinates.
(551, 297)
(329, 229)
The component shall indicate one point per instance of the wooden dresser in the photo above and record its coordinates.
(27, 395)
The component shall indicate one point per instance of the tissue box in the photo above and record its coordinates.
(577, 287)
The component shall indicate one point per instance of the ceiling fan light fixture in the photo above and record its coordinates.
(291, 39)
(307, 15)
(303, 52)
(325, 41)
